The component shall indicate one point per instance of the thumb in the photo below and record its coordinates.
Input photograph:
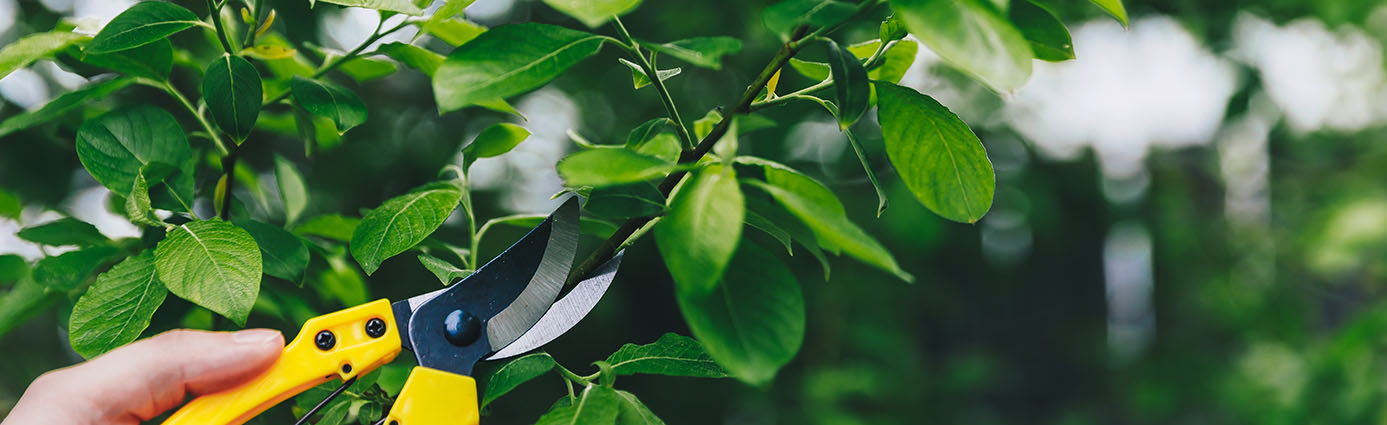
(142, 380)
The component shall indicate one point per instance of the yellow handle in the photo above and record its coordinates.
(304, 365)
(435, 397)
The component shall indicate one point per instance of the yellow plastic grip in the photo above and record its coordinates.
(302, 366)
(435, 397)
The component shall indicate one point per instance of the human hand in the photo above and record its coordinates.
(142, 380)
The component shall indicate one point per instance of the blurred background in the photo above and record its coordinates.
(1190, 223)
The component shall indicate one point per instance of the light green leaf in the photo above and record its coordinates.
(706, 52)
(341, 282)
(608, 166)
(233, 92)
(1049, 38)
(496, 140)
(137, 205)
(895, 61)
(331, 101)
(332, 226)
(671, 355)
(117, 308)
(633, 412)
(26, 300)
(10, 207)
(867, 168)
(402, 222)
(153, 60)
(699, 234)
(1114, 8)
(639, 135)
(64, 231)
(292, 190)
(937, 155)
(593, 13)
(363, 69)
(663, 145)
(447, 11)
(282, 254)
(752, 323)
(640, 80)
(812, 70)
(115, 146)
(516, 372)
(972, 37)
(443, 270)
(849, 84)
(455, 32)
(509, 60)
(25, 51)
(141, 24)
(785, 16)
(892, 29)
(214, 264)
(401, 6)
(597, 405)
(67, 271)
(413, 56)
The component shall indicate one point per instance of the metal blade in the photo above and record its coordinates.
(502, 300)
(566, 312)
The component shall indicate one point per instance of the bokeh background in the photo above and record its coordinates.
(1190, 223)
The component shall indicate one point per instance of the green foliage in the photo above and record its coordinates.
(231, 86)
(593, 13)
(282, 254)
(610, 166)
(937, 155)
(638, 78)
(787, 14)
(496, 140)
(401, 6)
(971, 36)
(597, 405)
(214, 264)
(292, 190)
(26, 50)
(402, 222)
(64, 231)
(330, 101)
(672, 355)
(509, 60)
(705, 52)
(114, 147)
(69, 270)
(1114, 8)
(117, 307)
(849, 83)
(446, 272)
(1048, 37)
(633, 412)
(701, 230)
(141, 24)
(514, 373)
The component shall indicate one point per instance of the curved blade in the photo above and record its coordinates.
(566, 312)
(506, 296)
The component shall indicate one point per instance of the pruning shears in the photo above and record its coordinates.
(506, 308)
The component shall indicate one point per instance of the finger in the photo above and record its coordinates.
(141, 380)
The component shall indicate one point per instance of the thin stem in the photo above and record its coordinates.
(635, 50)
(216, 15)
(256, 16)
(870, 63)
(206, 126)
(569, 375)
(353, 54)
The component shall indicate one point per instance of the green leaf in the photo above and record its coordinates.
(850, 85)
(892, 29)
(12, 269)
(25, 51)
(496, 140)
(706, 52)
(671, 355)
(895, 62)
(363, 69)
(509, 60)
(972, 37)
(824, 215)
(117, 308)
(401, 6)
(665, 146)
(516, 372)
(640, 80)
(586, 225)
(115, 146)
(214, 264)
(10, 207)
(937, 155)
(867, 168)
(233, 92)
(621, 202)
(341, 282)
(774, 230)
(26, 300)
(443, 270)
(455, 32)
(137, 205)
(141, 24)
(633, 412)
(783, 17)
(699, 234)
(402, 222)
(292, 190)
(332, 226)
(647, 130)
(153, 60)
(1114, 8)
(597, 405)
(812, 70)
(447, 11)
(331, 101)
(1049, 38)
(64, 231)
(67, 271)
(413, 56)
(283, 255)
(593, 13)
(610, 166)
(753, 322)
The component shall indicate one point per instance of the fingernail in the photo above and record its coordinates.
(255, 336)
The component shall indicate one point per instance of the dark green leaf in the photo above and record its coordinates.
(214, 264)
(672, 355)
(64, 231)
(363, 69)
(705, 52)
(1114, 8)
(137, 206)
(292, 190)
(496, 140)
(233, 92)
(509, 60)
(633, 412)
(443, 270)
(117, 308)
(283, 255)
(597, 405)
(621, 202)
(640, 80)
(401, 6)
(646, 131)
(937, 155)
(867, 168)
(153, 60)
(331, 101)
(27, 299)
(753, 322)
(67, 271)
(766, 225)
(593, 13)
(514, 373)
(413, 56)
(115, 146)
(699, 234)
(586, 225)
(662, 145)
(610, 166)
(12, 269)
(971, 36)
(332, 226)
(849, 83)
(1049, 38)
(402, 222)
(22, 52)
(785, 16)
(141, 24)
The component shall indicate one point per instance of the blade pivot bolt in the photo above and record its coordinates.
(325, 340)
(461, 328)
(375, 327)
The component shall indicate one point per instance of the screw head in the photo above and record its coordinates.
(375, 327)
(325, 340)
(461, 328)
